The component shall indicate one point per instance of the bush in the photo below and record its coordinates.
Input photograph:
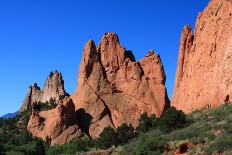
(16, 140)
(144, 123)
(107, 138)
(124, 133)
(222, 111)
(20, 139)
(172, 119)
(77, 145)
(220, 145)
(150, 145)
(154, 121)
(40, 106)
(36, 147)
(1, 148)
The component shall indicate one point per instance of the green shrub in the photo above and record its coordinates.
(124, 133)
(40, 106)
(220, 144)
(219, 113)
(14, 153)
(20, 139)
(172, 119)
(184, 134)
(144, 123)
(150, 145)
(1, 148)
(154, 121)
(16, 140)
(36, 147)
(77, 145)
(107, 138)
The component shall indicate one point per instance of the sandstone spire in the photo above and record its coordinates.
(114, 89)
(203, 77)
(186, 43)
(53, 88)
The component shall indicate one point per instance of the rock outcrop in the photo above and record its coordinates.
(113, 88)
(53, 88)
(204, 71)
(58, 126)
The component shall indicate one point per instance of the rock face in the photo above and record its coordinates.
(58, 125)
(113, 88)
(53, 88)
(204, 72)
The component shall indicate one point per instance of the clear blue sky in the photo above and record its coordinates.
(38, 36)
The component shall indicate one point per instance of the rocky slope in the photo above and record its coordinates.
(203, 77)
(113, 88)
(53, 88)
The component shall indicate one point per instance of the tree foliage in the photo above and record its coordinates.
(124, 133)
(172, 119)
(107, 138)
(40, 106)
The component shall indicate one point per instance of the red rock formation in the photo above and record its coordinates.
(203, 77)
(57, 125)
(53, 88)
(114, 89)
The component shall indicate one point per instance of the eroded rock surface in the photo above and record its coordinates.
(204, 72)
(113, 88)
(58, 126)
(53, 88)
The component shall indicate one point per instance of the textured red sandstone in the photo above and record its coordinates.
(114, 89)
(203, 77)
(57, 125)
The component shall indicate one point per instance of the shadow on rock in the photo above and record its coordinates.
(84, 120)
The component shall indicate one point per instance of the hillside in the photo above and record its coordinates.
(201, 132)
(209, 131)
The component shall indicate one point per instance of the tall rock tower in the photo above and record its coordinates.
(204, 71)
(113, 88)
(53, 88)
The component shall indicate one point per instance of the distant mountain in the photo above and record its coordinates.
(10, 115)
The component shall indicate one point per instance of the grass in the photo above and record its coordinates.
(210, 131)
(77, 145)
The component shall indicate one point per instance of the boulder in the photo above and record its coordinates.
(58, 126)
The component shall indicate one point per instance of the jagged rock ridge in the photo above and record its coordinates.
(203, 77)
(53, 88)
(113, 88)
